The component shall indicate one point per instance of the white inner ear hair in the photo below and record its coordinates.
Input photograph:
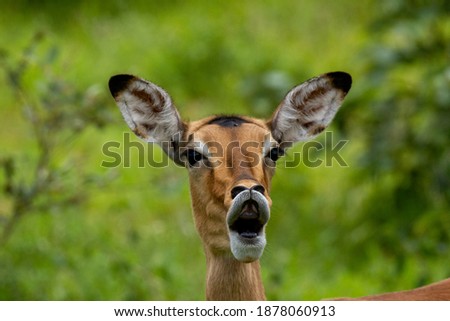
(149, 112)
(307, 110)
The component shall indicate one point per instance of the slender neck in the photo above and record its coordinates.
(230, 280)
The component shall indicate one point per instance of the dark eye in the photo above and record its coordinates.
(275, 153)
(193, 156)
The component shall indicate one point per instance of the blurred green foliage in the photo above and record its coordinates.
(408, 130)
(380, 224)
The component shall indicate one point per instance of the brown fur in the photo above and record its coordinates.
(438, 291)
(156, 103)
(297, 118)
(230, 280)
(210, 208)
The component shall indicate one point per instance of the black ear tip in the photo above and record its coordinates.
(341, 80)
(118, 83)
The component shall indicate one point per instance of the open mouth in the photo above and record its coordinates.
(246, 219)
(248, 224)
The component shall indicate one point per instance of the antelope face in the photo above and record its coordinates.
(231, 162)
(230, 159)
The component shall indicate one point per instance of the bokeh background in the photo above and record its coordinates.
(72, 229)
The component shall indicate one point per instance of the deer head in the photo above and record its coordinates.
(230, 159)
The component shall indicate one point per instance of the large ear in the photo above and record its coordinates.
(309, 108)
(149, 112)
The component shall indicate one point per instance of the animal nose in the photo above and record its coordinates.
(238, 189)
(258, 188)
